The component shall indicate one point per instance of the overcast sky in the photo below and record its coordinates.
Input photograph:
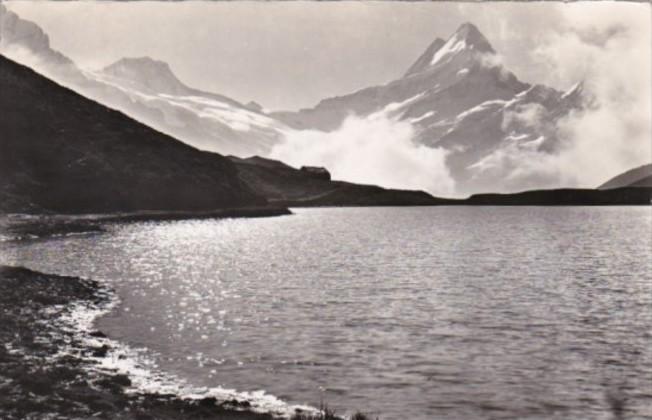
(287, 55)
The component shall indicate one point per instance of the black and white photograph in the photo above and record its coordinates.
(325, 210)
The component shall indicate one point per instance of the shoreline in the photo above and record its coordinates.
(560, 197)
(51, 367)
(17, 226)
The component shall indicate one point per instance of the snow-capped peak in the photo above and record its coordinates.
(473, 38)
(467, 37)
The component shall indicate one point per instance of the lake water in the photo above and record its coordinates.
(405, 313)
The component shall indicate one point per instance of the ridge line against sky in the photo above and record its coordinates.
(293, 54)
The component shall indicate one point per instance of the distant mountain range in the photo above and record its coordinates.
(148, 91)
(61, 152)
(457, 95)
(205, 120)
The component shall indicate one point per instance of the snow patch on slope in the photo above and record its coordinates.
(452, 46)
(236, 118)
(482, 107)
(423, 117)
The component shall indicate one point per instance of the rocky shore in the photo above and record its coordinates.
(51, 368)
(47, 370)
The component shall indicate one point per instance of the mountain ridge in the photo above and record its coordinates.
(457, 96)
(62, 152)
(205, 120)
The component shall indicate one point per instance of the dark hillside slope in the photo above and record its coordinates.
(565, 197)
(64, 153)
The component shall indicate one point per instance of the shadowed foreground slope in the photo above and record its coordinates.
(64, 153)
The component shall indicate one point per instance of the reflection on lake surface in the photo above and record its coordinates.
(407, 313)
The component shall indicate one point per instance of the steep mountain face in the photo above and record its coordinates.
(62, 152)
(147, 90)
(636, 177)
(448, 78)
(284, 185)
(459, 97)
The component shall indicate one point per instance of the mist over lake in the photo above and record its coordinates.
(419, 313)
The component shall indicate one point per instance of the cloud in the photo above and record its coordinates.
(608, 47)
(376, 150)
(520, 165)
(615, 134)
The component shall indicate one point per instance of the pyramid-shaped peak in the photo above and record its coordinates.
(467, 39)
(472, 37)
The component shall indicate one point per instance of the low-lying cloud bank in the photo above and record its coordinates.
(375, 150)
